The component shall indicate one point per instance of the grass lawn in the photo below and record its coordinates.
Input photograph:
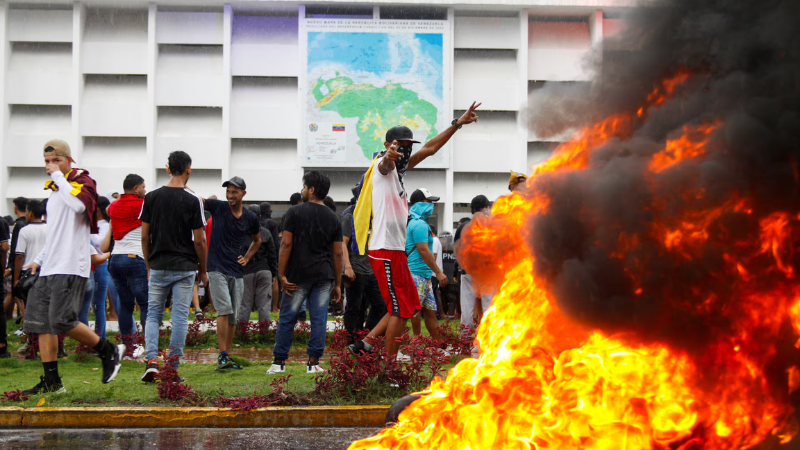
(84, 387)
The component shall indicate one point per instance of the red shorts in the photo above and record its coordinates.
(394, 278)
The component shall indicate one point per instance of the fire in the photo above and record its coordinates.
(544, 380)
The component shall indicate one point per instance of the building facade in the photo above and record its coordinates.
(127, 82)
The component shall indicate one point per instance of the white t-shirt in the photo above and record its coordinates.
(68, 231)
(31, 240)
(97, 239)
(130, 244)
(389, 211)
(437, 250)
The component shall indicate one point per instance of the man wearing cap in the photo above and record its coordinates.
(384, 199)
(231, 223)
(55, 300)
(422, 263)
(516, 182)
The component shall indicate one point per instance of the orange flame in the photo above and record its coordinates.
(544, 381)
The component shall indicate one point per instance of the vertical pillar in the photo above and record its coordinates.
(449, 191)
(376, 12)
(227, 33)
(152, 109)
(78, 18)
(596, 33)
(5, 51)
(522, 85)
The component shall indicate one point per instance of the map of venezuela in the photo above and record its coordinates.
(380, 80)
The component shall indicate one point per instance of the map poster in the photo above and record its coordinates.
(361, 77)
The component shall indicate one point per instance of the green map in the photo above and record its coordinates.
(360, 84)
(369, 104)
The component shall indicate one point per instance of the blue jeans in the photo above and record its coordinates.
(89, 300)
(318, 295)
(130, 279)
(181, 283)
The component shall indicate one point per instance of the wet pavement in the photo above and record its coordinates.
(180, 438)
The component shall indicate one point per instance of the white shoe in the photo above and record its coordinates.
(19, 332)
(276, 368)
(402, 357)
(314, 368)
(138, 352)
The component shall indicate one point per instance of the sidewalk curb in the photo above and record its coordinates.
(120, 417)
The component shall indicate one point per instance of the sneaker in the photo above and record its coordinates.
(401, 357)
(5, 353)
(19, 333)
(61, 353)
(235, 366)
(313, 367)
(112, 363)
(46, 388)
(224, 362)
(138, 352)
(357, 348)
(151, 371)
(277, 368)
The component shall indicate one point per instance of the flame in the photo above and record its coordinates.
(545, 381)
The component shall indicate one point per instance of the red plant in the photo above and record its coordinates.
(196, 336)
(459, 342)
(170, 386)
(302, 331)
(277, 396)
(13, 396)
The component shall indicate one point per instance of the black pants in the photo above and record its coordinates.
(3, 325)
(363, 291)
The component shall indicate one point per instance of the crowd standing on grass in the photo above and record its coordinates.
(379, 262)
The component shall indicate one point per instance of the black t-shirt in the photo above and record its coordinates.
(457, 269)
(360, 263)
(19, 224)
(314, 229)
(227, 236)
(3, 238)
(173, 213)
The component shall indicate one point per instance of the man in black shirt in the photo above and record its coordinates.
(231, 223)
(310, 267)
(173, 243)
(294, 200)
(3, 330)
(363, 290)
(258, 275)
(275, 230)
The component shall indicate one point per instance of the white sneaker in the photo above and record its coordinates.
(314, 368)
(276, 368)
(402, 357)
(138, 352)
(19, 332)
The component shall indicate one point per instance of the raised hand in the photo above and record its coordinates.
(470, 115)
(392, 154)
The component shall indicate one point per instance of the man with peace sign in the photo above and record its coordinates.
(387, 241)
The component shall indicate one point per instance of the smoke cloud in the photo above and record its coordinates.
(600, 245)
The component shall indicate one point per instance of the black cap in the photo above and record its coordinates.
(400, 133)
(422, 194)
(236, 181)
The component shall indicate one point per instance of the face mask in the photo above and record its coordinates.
(401, 164)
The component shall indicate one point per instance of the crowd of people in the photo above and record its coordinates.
(379, 262)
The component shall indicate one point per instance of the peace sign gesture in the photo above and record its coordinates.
(470, 116)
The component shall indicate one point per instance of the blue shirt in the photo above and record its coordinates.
(227, 237)
(418, 230)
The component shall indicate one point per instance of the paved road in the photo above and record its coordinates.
(189, 438)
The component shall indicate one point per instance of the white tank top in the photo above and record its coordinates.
(389, 211)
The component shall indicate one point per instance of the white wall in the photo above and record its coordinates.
(125, 86)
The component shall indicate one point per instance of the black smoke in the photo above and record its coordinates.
(744, 57)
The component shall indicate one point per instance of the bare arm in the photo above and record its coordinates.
(283, 261)
(100, 259)
(348, 269)
(251, 250)
(336, 293)
(431, 147)
(202, 252)
(430, 260)
(106, 243)
(146, 245)
(19, 259)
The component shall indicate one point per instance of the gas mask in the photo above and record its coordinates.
(402, 163)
